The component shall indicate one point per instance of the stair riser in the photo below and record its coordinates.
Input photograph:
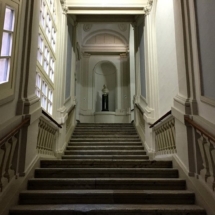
(112, 212)
(104, 164)
(105, 144)
(107, 136)
(126, 157)
(104, 148)
(105, 140)
(108, 185)
(103, 133)
(105, 173)
(105, 152)
(107, 198)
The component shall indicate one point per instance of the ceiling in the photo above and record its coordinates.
(104, 7)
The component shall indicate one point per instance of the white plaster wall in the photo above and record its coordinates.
(166, 55)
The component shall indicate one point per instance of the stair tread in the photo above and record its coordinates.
(106, 147)
(103, 191)
(107, 156)
(108, 142)
(108, 179)
(89, 207)
(111, 169)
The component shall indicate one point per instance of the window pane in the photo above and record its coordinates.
(4, 70)
(9, 19)
(6, 44)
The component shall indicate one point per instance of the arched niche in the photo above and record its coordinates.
(104, 73)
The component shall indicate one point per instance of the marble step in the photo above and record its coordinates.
(104, 163)
(106, 173)
(102, 130)
(105, 143)
(107, 209)
(125, 157)
(104, 148)
(105, 128)
(106, 183)
(104, 125)
(105, 152)
(106, 197)
(104, 139)
(97, 133)
(117, 136)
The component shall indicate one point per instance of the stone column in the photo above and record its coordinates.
(185, 102)
(123, 82)
(84, 82)
(28, 103)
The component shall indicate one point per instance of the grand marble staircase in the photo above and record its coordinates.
(105, 170)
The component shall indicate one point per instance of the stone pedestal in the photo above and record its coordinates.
(105, 102)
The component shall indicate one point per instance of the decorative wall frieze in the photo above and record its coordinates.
(123, 55)
(122, 27)
(134, 25)
(87, 27)
(86, 55)
(148, 8)
(64, 6)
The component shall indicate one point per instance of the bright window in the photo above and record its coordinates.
(6, 47)
(46, 55)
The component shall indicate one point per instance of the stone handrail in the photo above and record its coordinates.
(165, 136)
(10, 154)
(50, 118)
(160, 119)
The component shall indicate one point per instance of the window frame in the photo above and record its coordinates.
(7, 89)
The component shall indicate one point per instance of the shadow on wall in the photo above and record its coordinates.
(105, 73)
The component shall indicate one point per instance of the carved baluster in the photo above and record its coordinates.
(45, 138)
(7, 148)
(163, 139)
(168, 140)
(54, 141)
(158, 138)
(52, 132)
(39, 135)
(40, 139)
(157, 141)
(2, 160)
(213, 161)
(208, 149)
(12, 142)
(50, 140)
(201, 143)
(171, 137)
(173, 132)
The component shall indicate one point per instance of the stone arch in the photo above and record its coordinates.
(104, 72)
